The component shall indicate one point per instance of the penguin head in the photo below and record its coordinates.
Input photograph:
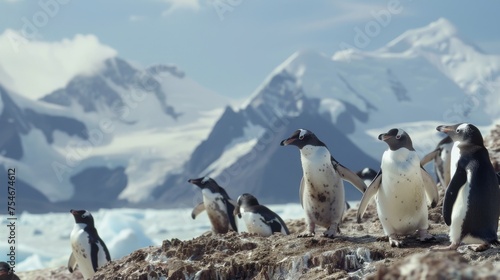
(205, 183)
(245, 200)
(301, 138)
(397, 138)
(463, 132)
(367, 173)
(83, 217)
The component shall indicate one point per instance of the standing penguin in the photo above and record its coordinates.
(441, 156)
(401, 187)
(88, 250)
(472, 200)
(258, 218)
(321, 188)
(217, 203)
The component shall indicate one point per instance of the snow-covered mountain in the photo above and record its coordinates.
(423, 78)
(106, 139)
(127, 136)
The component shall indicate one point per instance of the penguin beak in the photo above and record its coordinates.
(444, 128)
(384, 137)
(287, 141)
(73, 212)
(196, 182)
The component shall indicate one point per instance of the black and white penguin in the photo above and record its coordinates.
(472, 200)
(441, 156)
(321, 189)
(367, 174)
(217, 203)
(258, 218)
(401, 187)
(88, 250)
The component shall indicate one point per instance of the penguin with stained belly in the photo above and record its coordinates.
(321, 188)
(217, 203)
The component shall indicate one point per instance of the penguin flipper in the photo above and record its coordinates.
(197, 210)
(230, 213)
(106, 251)
(498, 177)
(370, 192)
(72, 264)
(430, 187)
(451, 194)
(347, 175)
(273, 220)
(428, 157)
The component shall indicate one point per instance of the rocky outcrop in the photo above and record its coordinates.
(361, 252)
(492, 142)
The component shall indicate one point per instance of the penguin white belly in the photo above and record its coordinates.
(401, 201)
(216, 211)
(454, 157)
(255, 224)
(458, 214)
(323, 194)
(81, 250)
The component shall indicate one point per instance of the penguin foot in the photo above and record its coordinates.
(332, 231)
(329, 234)
(395, 242)
(425, 236)
(306, 234)
(452, 247)
(479, 247)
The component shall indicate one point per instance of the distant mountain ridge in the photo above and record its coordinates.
(347, 99)
(163, 128)
(73, 147)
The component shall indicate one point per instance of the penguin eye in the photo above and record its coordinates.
(458, 130)
(398, 136)
(301, 137)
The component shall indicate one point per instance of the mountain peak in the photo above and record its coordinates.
(431, 36)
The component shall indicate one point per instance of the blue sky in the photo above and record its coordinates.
(230, 46)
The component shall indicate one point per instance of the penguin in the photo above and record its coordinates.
(442, 157)
(367, 174)
(472, 200)
(321, 188)
(217, 203)
(401, 187)
(88, 250)
(258, 218)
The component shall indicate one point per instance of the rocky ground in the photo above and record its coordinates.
(492, 142)
(360, 252)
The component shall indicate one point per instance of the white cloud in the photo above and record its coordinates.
(351, 12)
(35, 68)
(174, 5)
